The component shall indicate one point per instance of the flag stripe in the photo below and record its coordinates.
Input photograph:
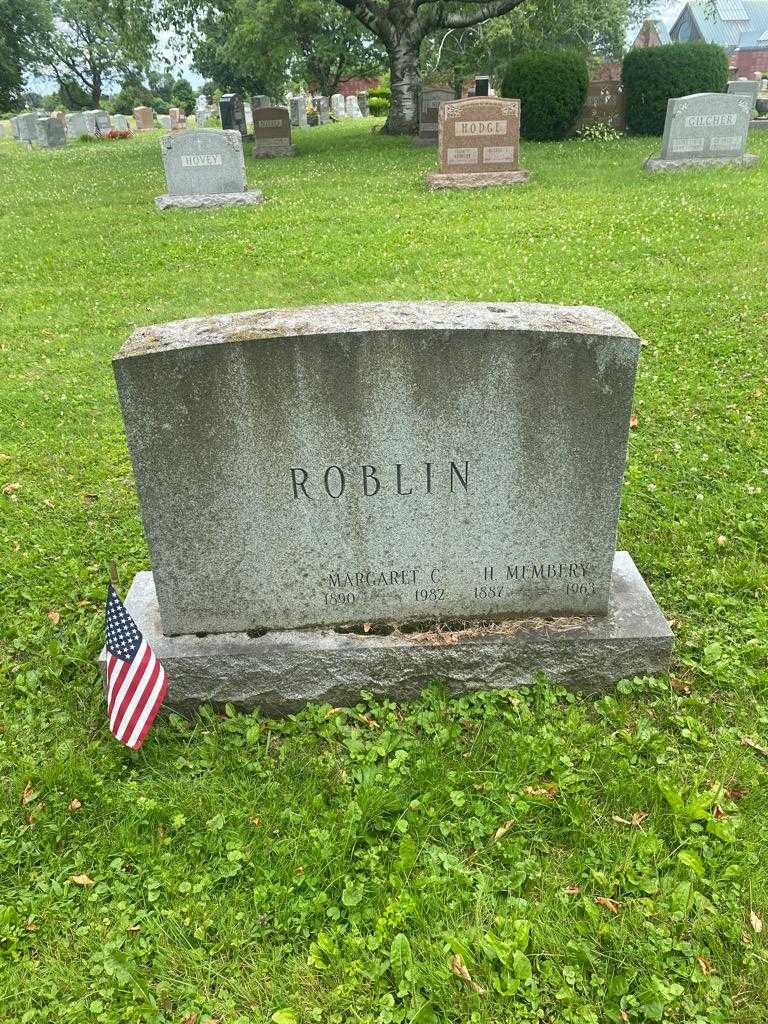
(144, 686)
(136, 681)
(147, 716)
(127, 687)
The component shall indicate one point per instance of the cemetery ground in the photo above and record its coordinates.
(511, 856)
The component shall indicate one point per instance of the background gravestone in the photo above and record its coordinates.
(362, 102)
(482, 85)
(743, 87)
(479, 142)
(272, 132)
(15, 128)
(76, 125)
(204, 167)
(174, 113)
(604, 104)
(120, 123)
(232, 113)
(101, 121)
(164, 120)
(27, 125)
(259, 100)
(338, 106)
(270, 504)
(144, 118)
(705, 128)
(352, 107)
(51, 133)
(323, 109)
(430, 99)
(298, 111)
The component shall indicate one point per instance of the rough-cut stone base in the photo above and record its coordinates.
(656, 164)
(486, 179)
(269, 154)
(281, 671)
(205, 202)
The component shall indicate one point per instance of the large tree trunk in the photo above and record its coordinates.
(405, 82)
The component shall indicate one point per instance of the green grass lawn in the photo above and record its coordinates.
(589, 861)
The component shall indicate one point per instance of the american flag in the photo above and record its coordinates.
(136, 683)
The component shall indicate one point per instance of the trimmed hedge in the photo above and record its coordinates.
(551, 86)
(655, 74)
(378, 101)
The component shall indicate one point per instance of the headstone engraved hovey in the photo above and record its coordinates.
(604, 105)
(270, 501)
(479, 141)
(204, 167)
(429, 107)
(272, 132)
(705, 128)
(232, 112)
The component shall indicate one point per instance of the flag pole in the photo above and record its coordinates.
(113, 575)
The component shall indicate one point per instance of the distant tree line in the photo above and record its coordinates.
(93, 49)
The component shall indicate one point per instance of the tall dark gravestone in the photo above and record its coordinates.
(232, 113)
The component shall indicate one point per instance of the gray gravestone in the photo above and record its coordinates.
(51, 133)
(429, 107)
(338, 106)
(298, 109)
(362, 102)
(268, 503)
(204, 167)
(705, 128)
(353, 107)
(323, 109)
(201, 110)
(232, 112)
(120, 123)
(101, 122)
(77, 125)
(27, 124)
(743, 87)
(164, 120)
(260, 101)
(272, 132)
(15, 128)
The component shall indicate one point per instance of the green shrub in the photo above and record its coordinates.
(551, 87)
(378, 106)
(655, 74)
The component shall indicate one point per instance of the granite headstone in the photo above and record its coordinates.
(323, 109)
(232, 112)
(120, 123)
(338, 106)
(272, 132)
(362, 102)
(479, 140)
(144, 118)
(429, 107)
(352, 107)
(77, 125)
(51, 133)
(298, 111)
(604, 105)
(704, 128)
(27, 125)
(204, 167)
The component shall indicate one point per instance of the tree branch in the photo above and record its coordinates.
(366, 12)
(441, 18)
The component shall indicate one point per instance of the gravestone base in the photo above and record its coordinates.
(207, 201)
(656, 164)
(422, 143)
(483, 179)
(758, 123)
(281, 671)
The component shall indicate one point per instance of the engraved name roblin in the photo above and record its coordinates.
(369, 480)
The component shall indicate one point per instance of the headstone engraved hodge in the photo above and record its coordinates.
(429, 107)
(301, 469)
(703, 129)
(272, 132)
(205, 167)
(479, 144)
